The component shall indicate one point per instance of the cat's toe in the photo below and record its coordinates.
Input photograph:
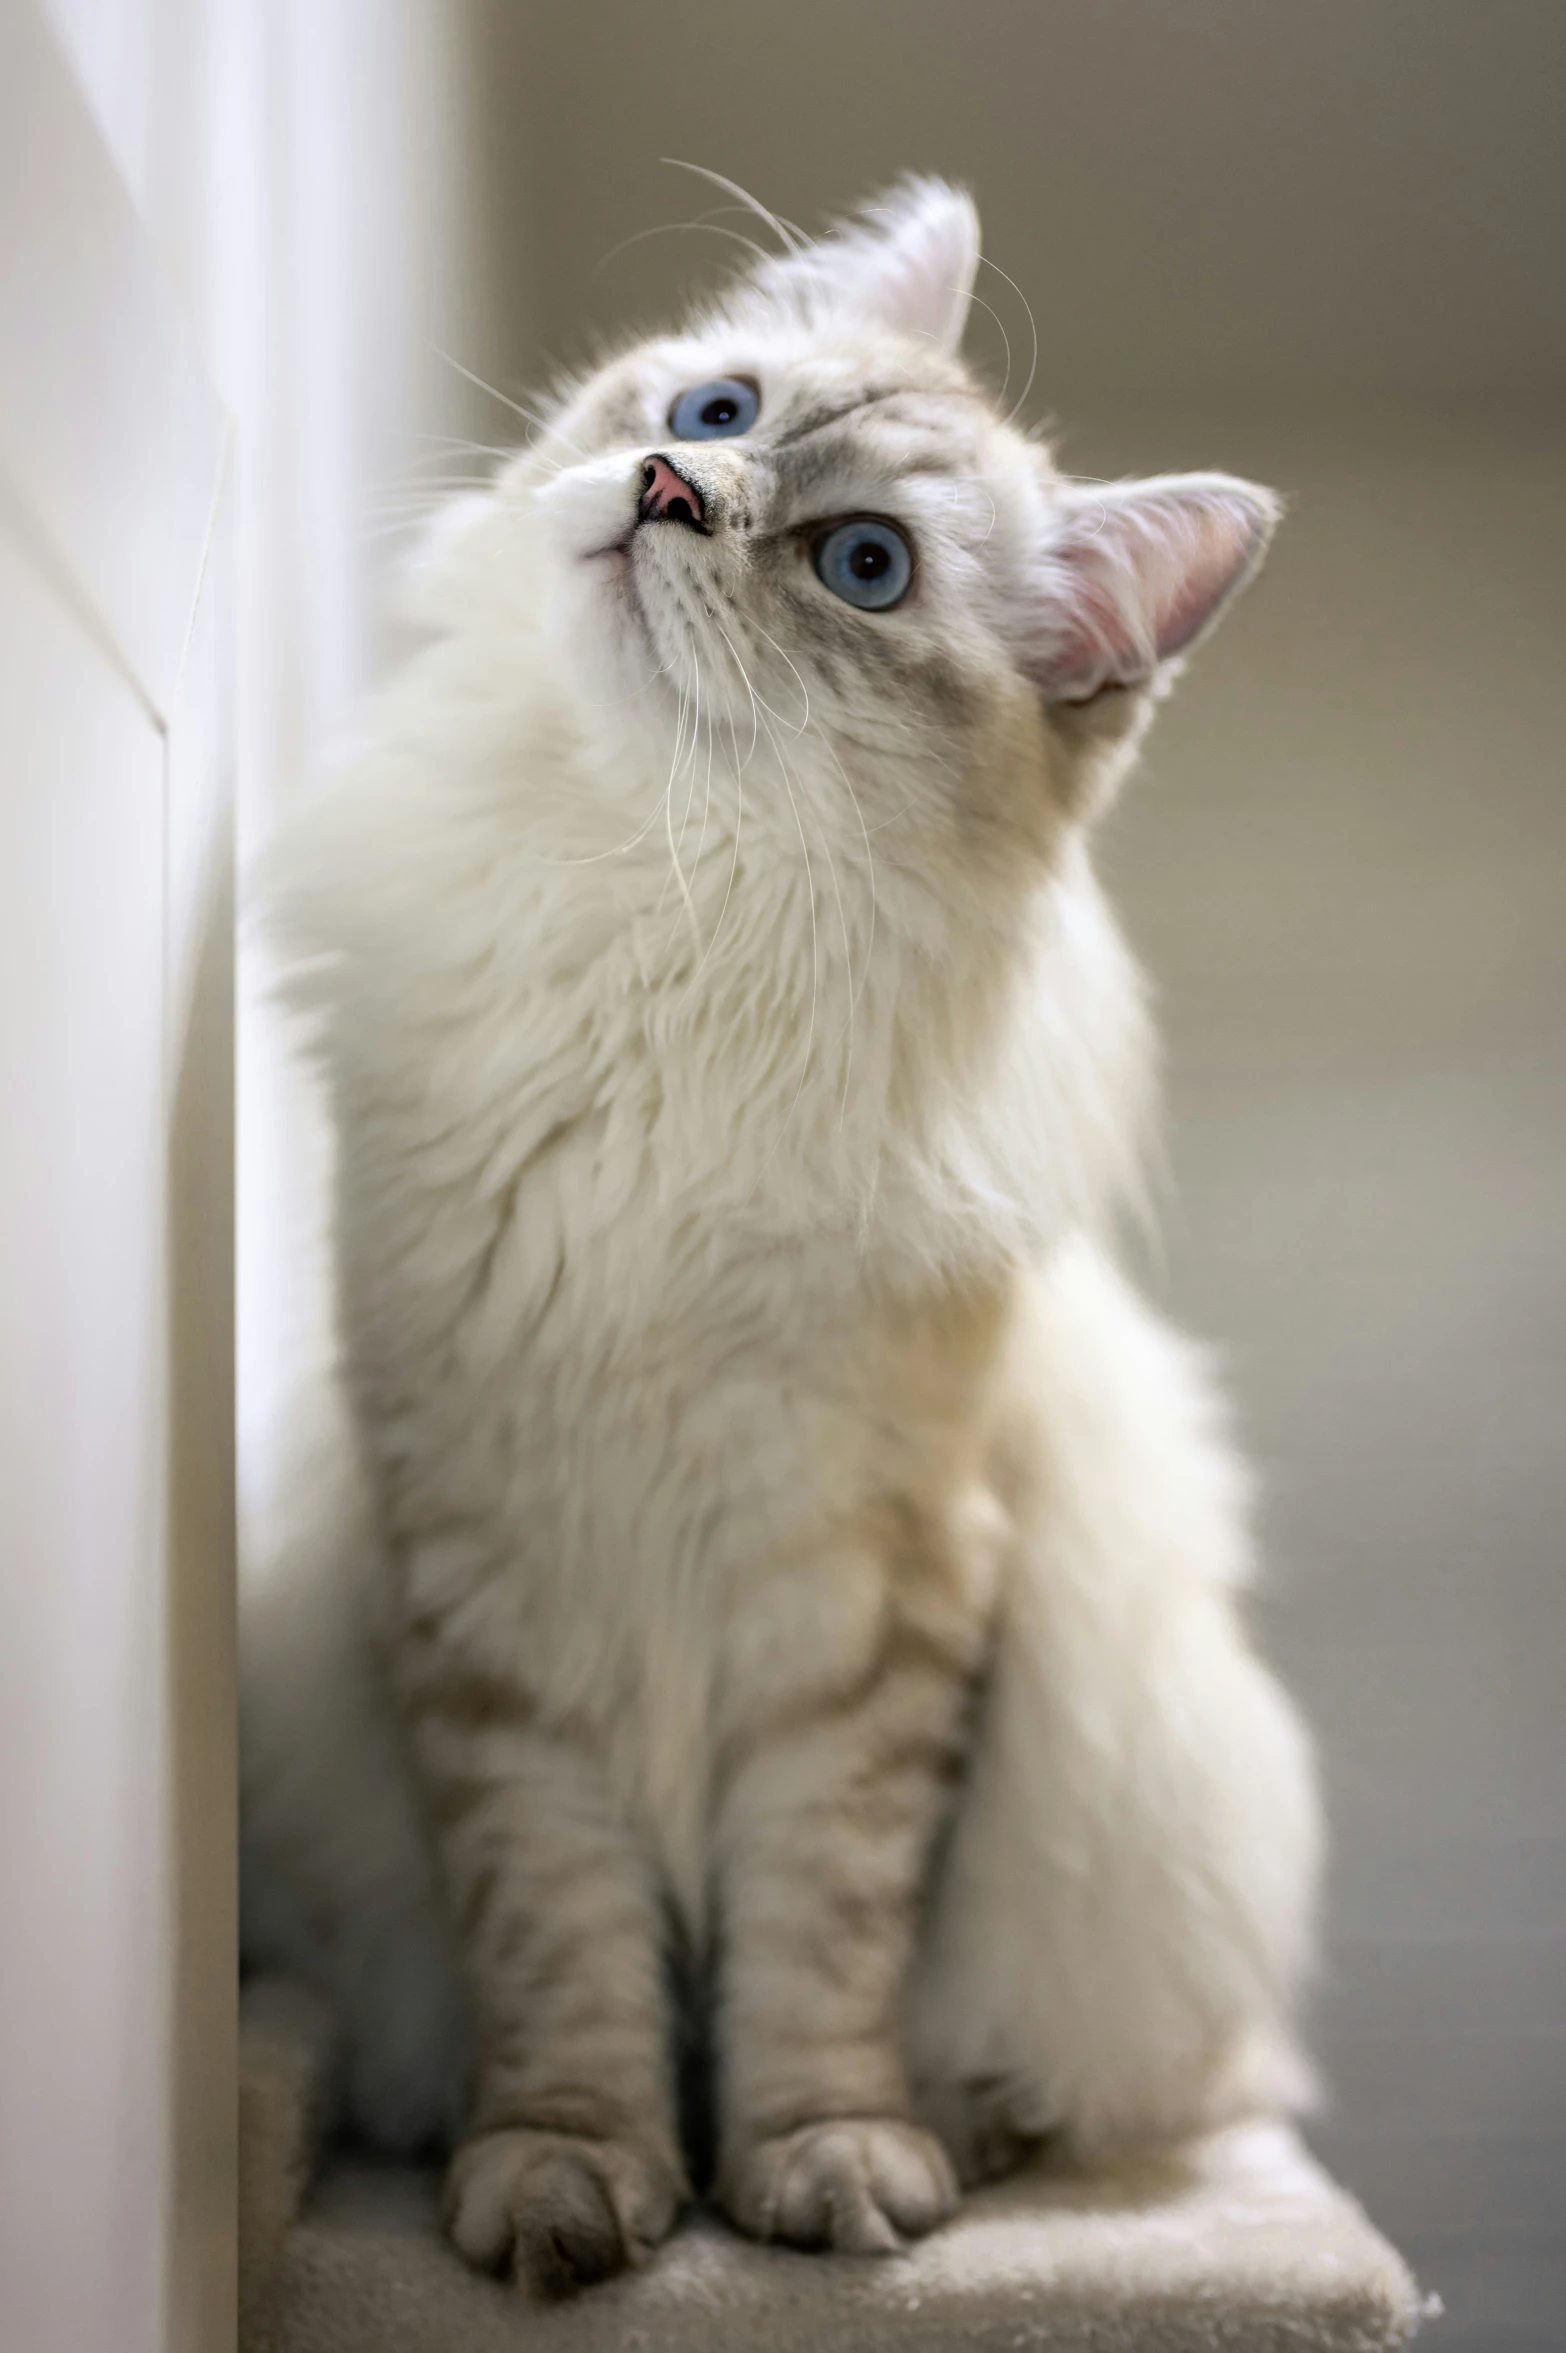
(557, 2212)
(859, 2184)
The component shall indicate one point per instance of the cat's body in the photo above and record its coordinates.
(779, 1536)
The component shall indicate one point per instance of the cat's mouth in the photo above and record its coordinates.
(644, 581)
(618, 569)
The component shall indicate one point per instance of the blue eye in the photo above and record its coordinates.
(865, 563)
(713, 411)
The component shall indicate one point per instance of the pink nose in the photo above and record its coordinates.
(668, 498)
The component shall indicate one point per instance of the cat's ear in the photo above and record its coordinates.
(1134, 573)
(907, 262)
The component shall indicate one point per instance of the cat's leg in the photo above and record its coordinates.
(571, 2168)
(823, 1834)
(1123, 1909)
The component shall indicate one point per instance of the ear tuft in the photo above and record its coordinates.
(906, 263)
(1135, 573)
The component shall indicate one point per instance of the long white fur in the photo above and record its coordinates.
(645, 1024)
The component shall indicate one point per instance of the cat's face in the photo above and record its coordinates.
(801, 536)
(823, 518)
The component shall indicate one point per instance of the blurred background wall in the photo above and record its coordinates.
(1321, 244)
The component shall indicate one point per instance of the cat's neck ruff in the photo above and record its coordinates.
(774, 1022)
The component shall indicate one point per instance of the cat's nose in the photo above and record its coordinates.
(668, 498)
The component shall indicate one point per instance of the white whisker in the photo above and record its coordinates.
(803, 688)
(1033, 328)
(790, 237)
(855, 988)
(671, 228)
(1005, 339)
(529, 416)
(693, 705)
(815, 973)
(815, 948)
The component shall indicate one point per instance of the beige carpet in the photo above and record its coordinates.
(1240, 2244)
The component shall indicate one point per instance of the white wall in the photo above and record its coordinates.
(312, 177)
(116, 1425)
(232, 235)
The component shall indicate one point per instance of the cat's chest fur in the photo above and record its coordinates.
(676, 1483)
(674, 1296)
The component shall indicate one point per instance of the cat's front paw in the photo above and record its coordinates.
(860, 2184)
(558, 2212)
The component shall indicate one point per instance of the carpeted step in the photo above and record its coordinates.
(1235, 2244)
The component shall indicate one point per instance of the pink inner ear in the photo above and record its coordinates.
(1221, 548)
(1138, 572)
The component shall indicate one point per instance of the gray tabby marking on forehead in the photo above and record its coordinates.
(875, 397)
(803, 471)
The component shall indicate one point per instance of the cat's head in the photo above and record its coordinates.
(801, 533)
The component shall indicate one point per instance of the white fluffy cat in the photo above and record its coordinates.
(776, 1567)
